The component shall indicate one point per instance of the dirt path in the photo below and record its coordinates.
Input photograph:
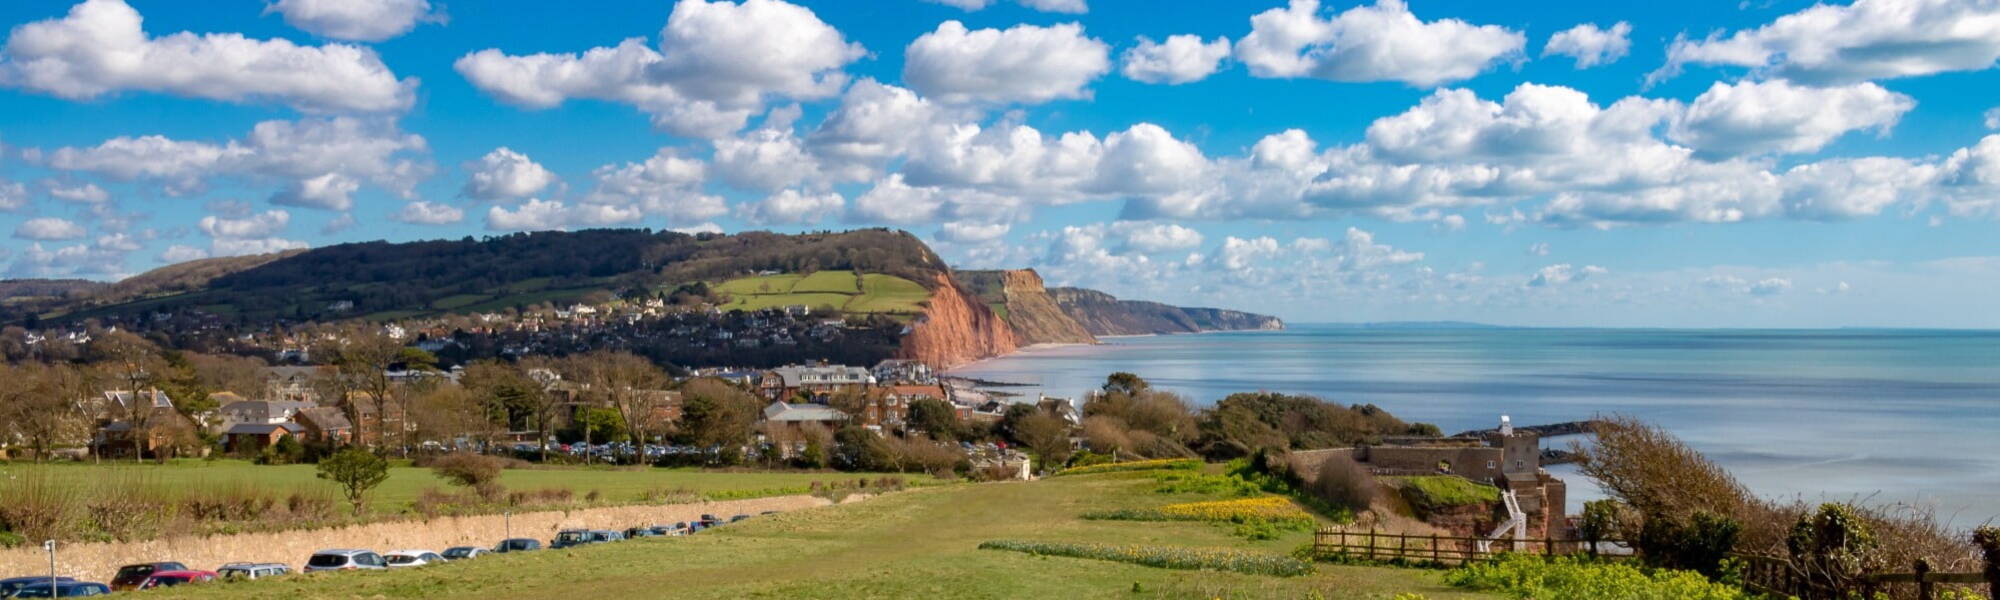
(98, 561)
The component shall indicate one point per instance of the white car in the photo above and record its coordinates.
(412, 558)
(465, 552)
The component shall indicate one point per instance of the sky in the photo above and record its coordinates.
(1697, 164)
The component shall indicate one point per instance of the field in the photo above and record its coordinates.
(922, 543)
(405, 483)
(836, 290)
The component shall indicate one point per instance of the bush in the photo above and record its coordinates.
(468, 469)
(1569, 578)
(1185, 482)
(1164, 557)
(356, 471)
(1699, 543)
(1136, 465)
(1344, 483)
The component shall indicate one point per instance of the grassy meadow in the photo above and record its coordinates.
(922, 543)
(837, 290)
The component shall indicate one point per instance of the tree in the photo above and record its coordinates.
(935, 417)
(631, 385)
(40, 404)
(1047, 436)
(133, 364)
(715, 414)
(356, 471)
(362, 357)
(508, 388)
(448, 412)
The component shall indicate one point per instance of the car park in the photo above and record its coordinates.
(9, 585)
(130, 576)
(464, 552)
(517, 545)
(344, 560)
(738, 518)
(160, 579)
(62, 589)
(411, 558)
(237, 571)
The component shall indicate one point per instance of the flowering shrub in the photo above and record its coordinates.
(1164, 557)
(1136, 465)
(1255, 518)
(1568, 578)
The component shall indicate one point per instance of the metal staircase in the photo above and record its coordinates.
(1516, 521)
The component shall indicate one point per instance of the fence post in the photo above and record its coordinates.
(1923, 579)
(1371, 543)
(1402, 546)
(1434, 550)
(1548, 546)
(1988, 541)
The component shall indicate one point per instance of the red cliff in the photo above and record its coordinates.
(956, 329)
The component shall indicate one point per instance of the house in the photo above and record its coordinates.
(290, 383)
(260, 412)
(903, 370)
(1506, 458)
(251, 438)
(798, 415)
(324, 425)
(154, 412)
(813, 380)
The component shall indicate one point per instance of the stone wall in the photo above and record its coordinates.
(98, 561)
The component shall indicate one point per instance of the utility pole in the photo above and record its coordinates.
(507, 524)
(50, 545)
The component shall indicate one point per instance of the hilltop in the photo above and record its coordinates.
(1104, 314)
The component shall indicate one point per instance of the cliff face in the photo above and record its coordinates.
(1103, 314)
(956, 329)
(1022, 301)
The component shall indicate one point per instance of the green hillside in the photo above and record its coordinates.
(872, 293)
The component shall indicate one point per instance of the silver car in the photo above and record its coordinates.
(344, 560)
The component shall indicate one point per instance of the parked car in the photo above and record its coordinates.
(569, 537)
(710, 520)
(62, 589)
(464, 552)
(412, 558)
(738, 518)
(639, 532)
(674, 529)
(344, 560)
(239, 570)
(8, 586)
(130, 576)
(517, 545)
(598, 536)
(160, 579)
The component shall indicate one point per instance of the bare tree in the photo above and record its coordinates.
(629, 383)
(40, 404)
(361, 357)
(133, 364)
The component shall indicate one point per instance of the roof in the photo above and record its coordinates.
(124, 397)
(326, 418)
(796, 376)
(911, 391)
(262, 428)
(801, 413)
(264, 410)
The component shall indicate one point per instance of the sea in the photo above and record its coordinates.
(1886, 416)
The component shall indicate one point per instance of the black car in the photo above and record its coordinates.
(8, 586)
(639, 532)
(738, 518)
(518, 545)
(62, 589)
(570, 537)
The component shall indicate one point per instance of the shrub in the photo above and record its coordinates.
(356, 471)
(1184, 482)
(1832, 546)
(476, 471)
(1569, 578)
(1164, 557)
(1255, 518)
(1344, 483)
(1699, 543)
(1602, 520)
(1136, 465)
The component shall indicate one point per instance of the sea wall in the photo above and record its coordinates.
(97, 561)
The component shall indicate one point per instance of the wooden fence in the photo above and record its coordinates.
(1777, 576)
(1445, 550)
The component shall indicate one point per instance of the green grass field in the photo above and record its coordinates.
(836, 290)
(616, 485)
(916, 544)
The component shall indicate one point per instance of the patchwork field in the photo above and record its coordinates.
(922, 543)
(832, 290)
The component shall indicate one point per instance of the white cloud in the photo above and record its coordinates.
(265, 224)
(84, 193)
(1155, 238)
(1181, 59)
(971, 233)
(893, 201)
(1055, 6)
(791, 207)
(1771, 287)
(182, 253)
(1558, 274)
(539, 214)
(48, 229)
(322, 160)
(764, 160)
(121, 242)
(716, 65)
(68, 261)
(706, 227)
(13, 195)
(249, 246)
(504, 174)
(99, 48)
(874, 124)
(1023, 63)
(358, 20)
(1382, 42)
(1538, 249)
(424, 212)
(1591, 46)
(1777, 116)
(1868, 39)
(1991, 118)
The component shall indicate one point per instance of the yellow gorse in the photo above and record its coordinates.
(1136, 465)
(1267, 508)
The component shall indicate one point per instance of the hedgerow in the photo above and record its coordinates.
(1136, 465)
(1164, 557)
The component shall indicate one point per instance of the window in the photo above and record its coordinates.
(1489, 464)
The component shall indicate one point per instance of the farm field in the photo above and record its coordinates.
(835, 290)
(921, 543)
(406, 483)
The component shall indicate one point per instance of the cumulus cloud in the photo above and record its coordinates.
(765, 160)
(323, 161)
(181, 253)
(874, 124)
(48, 229)
(358, 20)
(253, 234)
(1155, 238)
(666, 185)
(971, 233)
(716, 65)
(1868, 39)
(13, 195)
(504, 174)
(1591, 46)
(1538, 249)
(83, 193)
(791, 207)
(99, 48)
(1753, 117)
(1023, 63)
(538, 214)
(1181, 59)
(424, 212)
(1558, 274)
(1379, 42)
(1770, 287)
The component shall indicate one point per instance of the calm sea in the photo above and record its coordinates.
(1885, 415)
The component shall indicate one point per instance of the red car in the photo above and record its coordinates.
(130, 576)
(174, 578)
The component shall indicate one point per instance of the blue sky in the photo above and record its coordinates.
(1555, 163)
